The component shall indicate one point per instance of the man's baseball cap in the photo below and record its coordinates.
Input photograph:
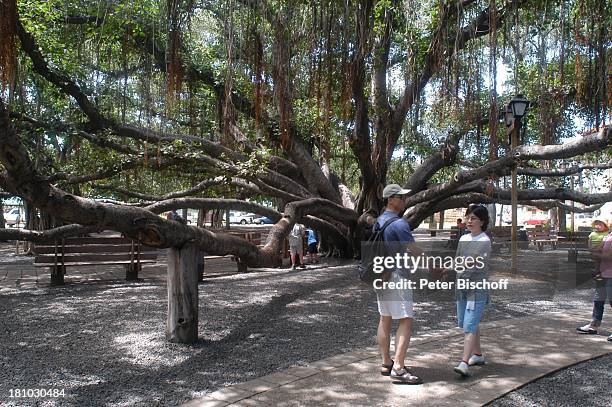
(394, 189)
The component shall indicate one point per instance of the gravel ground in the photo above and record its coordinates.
(587, 384)
(104, 343)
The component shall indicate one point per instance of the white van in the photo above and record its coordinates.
(13, 217)
(240, 217)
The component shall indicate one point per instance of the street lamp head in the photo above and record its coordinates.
(518, 105)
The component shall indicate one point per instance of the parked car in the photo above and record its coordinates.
(263, 220)
(13, 217)
(242, 218)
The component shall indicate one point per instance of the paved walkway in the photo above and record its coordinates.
(518, 351)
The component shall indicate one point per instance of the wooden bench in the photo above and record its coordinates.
(93, 251)
(541, 237)
(434, 232)
(574, 242)
(455, 235)
(252, 237)
(501, 236)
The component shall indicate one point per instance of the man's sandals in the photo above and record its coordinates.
(404, 375)
(386, 369)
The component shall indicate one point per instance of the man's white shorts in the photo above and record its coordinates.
(293, 250)
(396, 303)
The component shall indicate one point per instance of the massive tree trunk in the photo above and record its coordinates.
(182, 318)
(2, 220)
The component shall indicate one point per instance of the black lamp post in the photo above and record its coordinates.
(512, 117)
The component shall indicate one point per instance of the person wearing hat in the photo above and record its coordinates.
(396, 304)
(600, 241)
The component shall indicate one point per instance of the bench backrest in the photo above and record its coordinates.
(94, 250)
(456, 233)
(535, 234)
(500, 233)
(574, 235)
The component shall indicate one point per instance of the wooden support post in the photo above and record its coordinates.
(242, 267)
(131, 271)
(182, 319)
(57, 275)
(201, 263)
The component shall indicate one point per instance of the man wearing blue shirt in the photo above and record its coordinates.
(396, 303)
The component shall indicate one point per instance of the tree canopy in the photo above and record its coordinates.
(311, 106)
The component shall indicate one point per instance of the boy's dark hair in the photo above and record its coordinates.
(481, 212)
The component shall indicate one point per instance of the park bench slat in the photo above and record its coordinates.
(95, 240)
(93, 257)
(96, 263)
(86, 249)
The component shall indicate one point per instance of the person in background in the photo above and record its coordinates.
(461, 227)
(595, 239)
(296, 246)
(312, 246)
(602, 255)
(173, 215)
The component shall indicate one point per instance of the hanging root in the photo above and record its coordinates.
(8, 52)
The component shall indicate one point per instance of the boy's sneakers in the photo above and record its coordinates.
(610, 338)
(476, 360)
(587, 329)
(463, 369)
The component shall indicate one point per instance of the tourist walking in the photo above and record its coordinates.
(471, 303)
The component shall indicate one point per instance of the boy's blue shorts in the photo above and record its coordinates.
(468, 319)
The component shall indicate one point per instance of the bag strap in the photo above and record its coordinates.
(387, 223)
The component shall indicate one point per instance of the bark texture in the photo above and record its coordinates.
(182, 317)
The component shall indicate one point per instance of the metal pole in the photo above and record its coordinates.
(572, 203)
(515, 135)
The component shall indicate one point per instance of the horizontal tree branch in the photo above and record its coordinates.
(591, 142)
(46, 236)
(116, 169)
(560, 172)
(586, 144)
(201, 186)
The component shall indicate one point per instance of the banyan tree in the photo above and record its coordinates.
(298, 111)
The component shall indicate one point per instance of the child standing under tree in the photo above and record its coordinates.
(312, 246)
